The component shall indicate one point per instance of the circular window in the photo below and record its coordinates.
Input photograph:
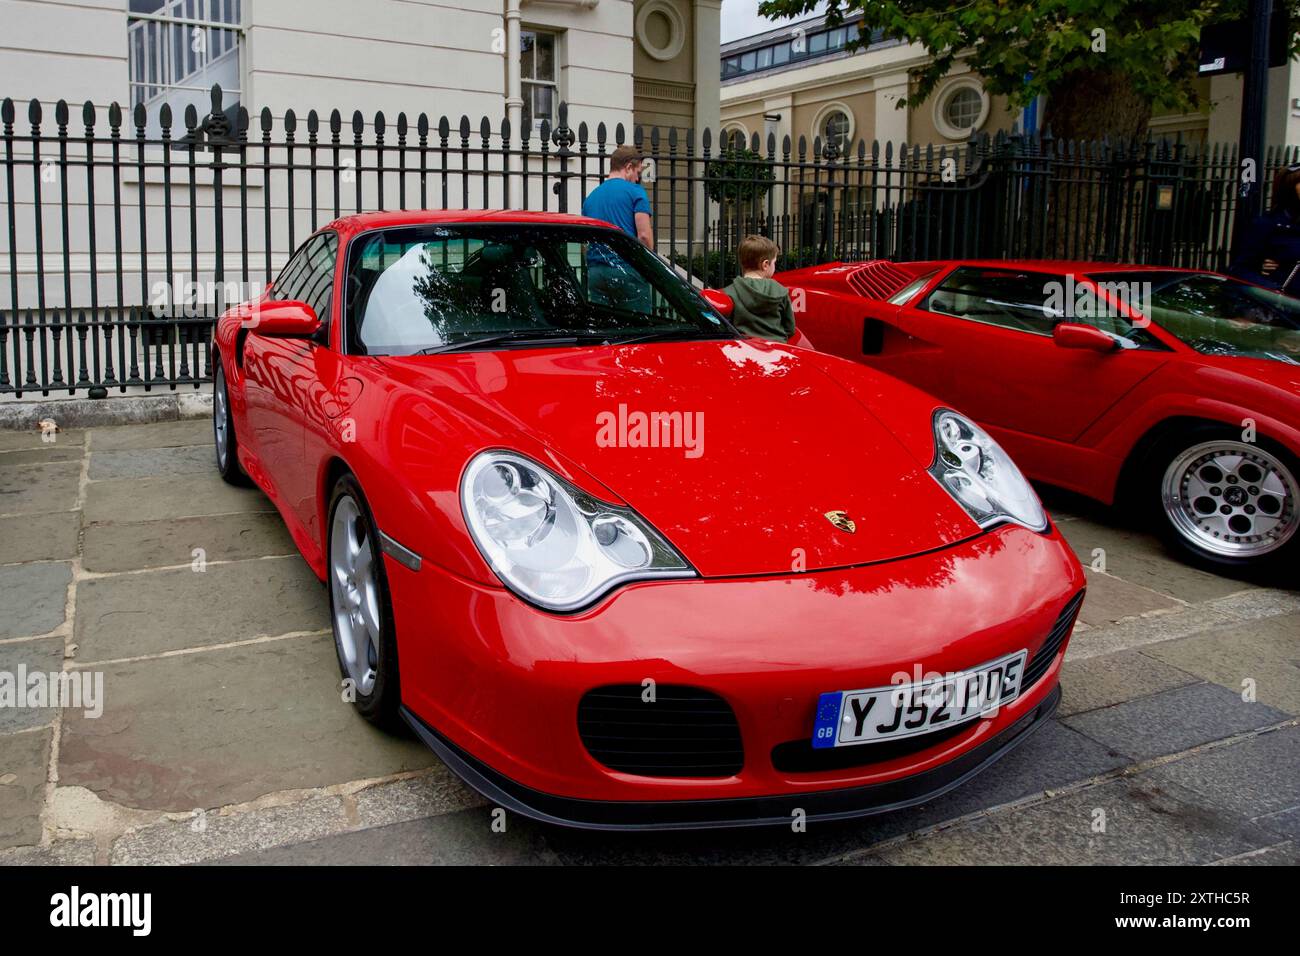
(835, 130)
(834, 124)
(660, 30)
(960, 109)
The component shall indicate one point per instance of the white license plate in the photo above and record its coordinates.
(848, 717)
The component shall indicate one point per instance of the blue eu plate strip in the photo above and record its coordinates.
(827, 724)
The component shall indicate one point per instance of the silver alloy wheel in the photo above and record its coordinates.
(355, 590)
(1231, 499)
(220, 417)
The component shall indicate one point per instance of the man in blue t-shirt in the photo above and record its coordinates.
(622, 202)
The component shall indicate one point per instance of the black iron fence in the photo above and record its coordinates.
(124, 236)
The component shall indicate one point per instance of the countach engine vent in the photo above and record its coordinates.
(878, 279)
(684, 732)
(1043, 657)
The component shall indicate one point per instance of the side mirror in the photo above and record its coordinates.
(720, 301)
(289, 319)
(1076, 335)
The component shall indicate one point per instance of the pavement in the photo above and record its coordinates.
(218, 733)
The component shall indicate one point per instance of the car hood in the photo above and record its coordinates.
(762, 441)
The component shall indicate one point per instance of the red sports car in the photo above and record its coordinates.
(1175, 391)
(617, 565)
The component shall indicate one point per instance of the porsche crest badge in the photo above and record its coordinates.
(842, 521)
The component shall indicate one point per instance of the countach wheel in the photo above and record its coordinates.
(360, 609)
(1227, 503)
(223, 432)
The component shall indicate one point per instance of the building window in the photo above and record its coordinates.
(835, 125)
(734, 137)
(961, 108)
(539, 72)
(177, 50)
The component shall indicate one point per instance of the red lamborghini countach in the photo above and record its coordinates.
(1176, 392)
(618, 565)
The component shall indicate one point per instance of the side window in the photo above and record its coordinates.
(318, 289)
(1002, 297)
(309, 276)
(286, 284)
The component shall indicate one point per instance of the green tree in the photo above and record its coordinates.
(738, 175)
(1104, 64)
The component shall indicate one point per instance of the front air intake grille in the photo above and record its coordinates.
(878, 279)
(1046, 653)
(683, 732)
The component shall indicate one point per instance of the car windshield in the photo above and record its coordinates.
(431, 288)
(1217, 315)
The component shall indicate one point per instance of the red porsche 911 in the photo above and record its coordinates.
(1176, 392)
(618, 565)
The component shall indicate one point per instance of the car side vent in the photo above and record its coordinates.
(873, 336)
(878, 279)
(1047, 651)
(684, 732)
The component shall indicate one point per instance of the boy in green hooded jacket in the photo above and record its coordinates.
(762, 305)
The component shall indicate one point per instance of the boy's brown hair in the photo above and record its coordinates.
(754, 250)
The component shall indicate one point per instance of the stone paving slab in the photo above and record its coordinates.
(33, 598)
(47, 537)
(149, 544)
(227, 726)
(152, 435)
(160, 498)
(132, 615)
(1102, 681)
(31, 438)
(454, 839)
(23, 762)
(1265, 651)
(1110, 599)
(1145, 819)
(175, 462)
(1284, 854)
(41, 455)
(1173, 720)
(1286, 822)
(1255, 779)
(1244, 606)
(204, 836)
(27, 658)
(1141, 559)
(74, 852)
(32, 489)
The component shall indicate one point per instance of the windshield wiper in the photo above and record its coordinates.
(516, 336)
(664, 335)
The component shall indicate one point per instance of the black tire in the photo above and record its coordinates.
(1168, 457)
(379, 703)
(227, 463)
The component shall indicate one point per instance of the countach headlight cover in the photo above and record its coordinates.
(552, 543)
(983, 479)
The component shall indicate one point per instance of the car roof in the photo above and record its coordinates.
(1051, 265)
(361, 222)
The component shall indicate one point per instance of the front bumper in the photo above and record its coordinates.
(496, 684)
(823, 805)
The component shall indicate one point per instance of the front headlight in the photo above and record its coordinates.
(974, 469)
(554, 544)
